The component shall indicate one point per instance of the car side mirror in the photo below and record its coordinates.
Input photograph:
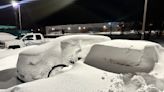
(23, 40)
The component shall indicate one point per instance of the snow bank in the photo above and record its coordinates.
(124, 56)
(35, 63)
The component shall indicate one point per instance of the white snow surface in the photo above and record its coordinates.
(35, 63)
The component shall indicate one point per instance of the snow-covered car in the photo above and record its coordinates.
(4, 37)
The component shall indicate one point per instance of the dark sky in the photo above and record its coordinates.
(56, 12)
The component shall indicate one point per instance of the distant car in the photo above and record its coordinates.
(4, 37)
(9, 41)
(33, 39)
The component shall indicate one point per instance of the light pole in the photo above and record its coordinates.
(17, 6)
(144, 20)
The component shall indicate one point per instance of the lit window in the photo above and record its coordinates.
(79, 28)
(104, 27)
(84, 27)
(69, 28)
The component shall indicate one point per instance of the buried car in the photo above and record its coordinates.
(35, 63)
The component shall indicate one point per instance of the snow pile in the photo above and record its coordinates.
(159, 66)
(35, 63)
(142, 83)
(124, 56)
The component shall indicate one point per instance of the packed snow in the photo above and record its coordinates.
(95, 64)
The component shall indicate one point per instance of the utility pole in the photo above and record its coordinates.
(17, 7)
(144, 20)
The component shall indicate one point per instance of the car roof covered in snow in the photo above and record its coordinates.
(6, 36)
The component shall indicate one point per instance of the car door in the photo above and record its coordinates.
(39, 39)
(29, 40)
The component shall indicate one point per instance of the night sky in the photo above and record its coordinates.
(56, 12)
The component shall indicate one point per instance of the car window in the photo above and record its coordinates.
(38, 37)
(29, 37)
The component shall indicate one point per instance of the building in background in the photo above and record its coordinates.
(82, 28)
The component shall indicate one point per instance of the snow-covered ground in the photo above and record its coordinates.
(82, 77)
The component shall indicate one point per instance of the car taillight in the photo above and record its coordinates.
(2, 45)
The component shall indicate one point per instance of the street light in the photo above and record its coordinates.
(144, 20)
(16, 5)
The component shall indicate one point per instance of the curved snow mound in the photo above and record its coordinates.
(35, 63)
(124, 56)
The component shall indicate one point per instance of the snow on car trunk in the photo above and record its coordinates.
(124, 56)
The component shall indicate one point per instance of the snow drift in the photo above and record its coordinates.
(35, 63)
